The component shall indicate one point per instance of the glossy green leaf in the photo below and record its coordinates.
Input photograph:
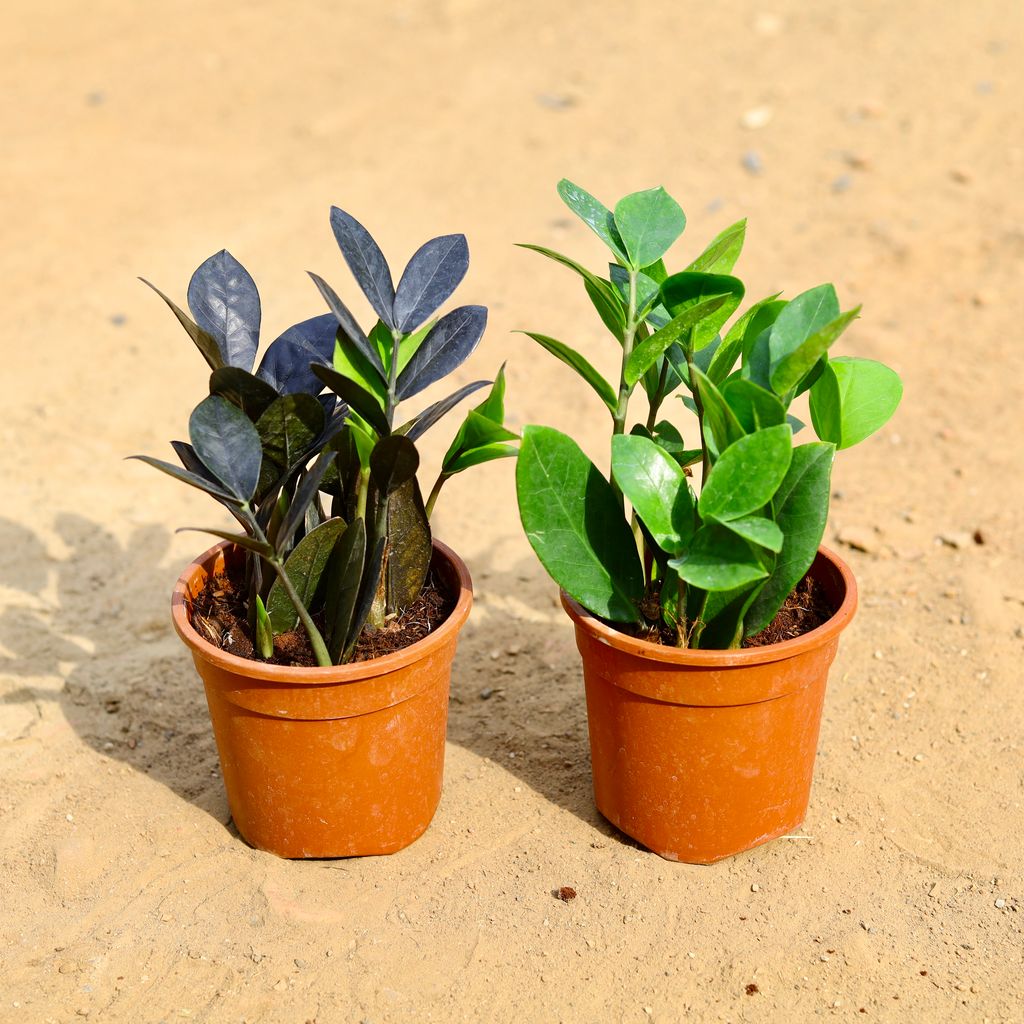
(800, 508)
(718, 560)
(657, 489)
(788, 371)
(688, 289)
(646, 354)
(747, 474)
(754, 407)
(724, 614)
(305, 568)
(343, 575)
(759, 317)
(228, 445)
(393, 463)
(647, 289)
(577, 362)
(478, 456)
(758, 530)
(594, 214)
(601, 292)
(721, 427)
(724, 250)
(648, 223)
(264, 630)
(576, 527)
(852, 399)
(202, 340)
(803, 316)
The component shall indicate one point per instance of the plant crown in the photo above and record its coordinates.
(714, 567)
(323, 483)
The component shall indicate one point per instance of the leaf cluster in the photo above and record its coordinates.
(307, 452)
(712, 567)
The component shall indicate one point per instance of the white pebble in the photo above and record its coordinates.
(757, 117)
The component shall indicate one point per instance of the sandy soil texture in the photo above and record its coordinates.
(876, 144)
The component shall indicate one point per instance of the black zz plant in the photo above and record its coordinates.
(323, 484)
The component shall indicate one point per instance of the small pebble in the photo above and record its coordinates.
(958, 539)
(842, 184)
(754, 887)
(486, 694)
(757, 117)
(960, 176)
(919, 757)
(1000, 903)
(118, 319)
(566, 894)
(301, 964)
(752, 162)
(69, 817)
(859, 538)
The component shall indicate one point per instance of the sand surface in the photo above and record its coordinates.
(140, 138)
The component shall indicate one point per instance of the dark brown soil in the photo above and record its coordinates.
(805, 609)
(218, 615)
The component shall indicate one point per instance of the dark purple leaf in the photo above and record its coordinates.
(304, 494)
(286, 364)
(344, 574)
(367, 592)
(228, 445)
(250, 393)
(420, 424)
(367, 263)
(349, 327)
(394, 462)
(243, 540)
(202, 483)
(358, 398)
(450, 342)
(224, 300)
(206, 343)
(433, 273)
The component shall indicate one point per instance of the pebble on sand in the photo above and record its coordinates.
(859, 538)
(757, 117)
(752, 162)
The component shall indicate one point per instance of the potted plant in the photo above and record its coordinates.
(324, 626)
(707, 619)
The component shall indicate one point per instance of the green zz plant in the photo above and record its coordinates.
(323, 484)
(711, 568)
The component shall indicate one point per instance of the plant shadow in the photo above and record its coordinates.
(98, 619)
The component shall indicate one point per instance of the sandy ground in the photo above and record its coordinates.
(138, 139)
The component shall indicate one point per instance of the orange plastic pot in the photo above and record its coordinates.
(330, 762)
(700, 755)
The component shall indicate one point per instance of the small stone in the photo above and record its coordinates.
(757, 117)
(281, 985)
(859, 538)
(566, 894)
(754, 887)
(69, 817)
(958, 539)
(842, 184)
(118, 319)
(857, 161)
(1000, 903)
(301, 964)
(978, 537)
(919, 757)
(486, 693)
(752, 162)
(960, 175)
(556, 100)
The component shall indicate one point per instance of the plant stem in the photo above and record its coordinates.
(619, 419)
(658, 397)
(364, 488)
(682, 628)
(698, 623)
(316, 641)
(396, 340)
(705, 464)
(434, 492)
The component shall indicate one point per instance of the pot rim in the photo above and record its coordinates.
(817, 637)
(318, 675)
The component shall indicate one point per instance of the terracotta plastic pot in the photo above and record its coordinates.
(700, 755)
(330, 762)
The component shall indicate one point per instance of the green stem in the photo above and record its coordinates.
(364, 489)
(316, 641)
(659, 396)
(698, 622)
(619, 419)
(396, 341)
(705, 463)
(682, 626)
(435, 491)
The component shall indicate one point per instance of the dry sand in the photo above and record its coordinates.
(139, 138)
